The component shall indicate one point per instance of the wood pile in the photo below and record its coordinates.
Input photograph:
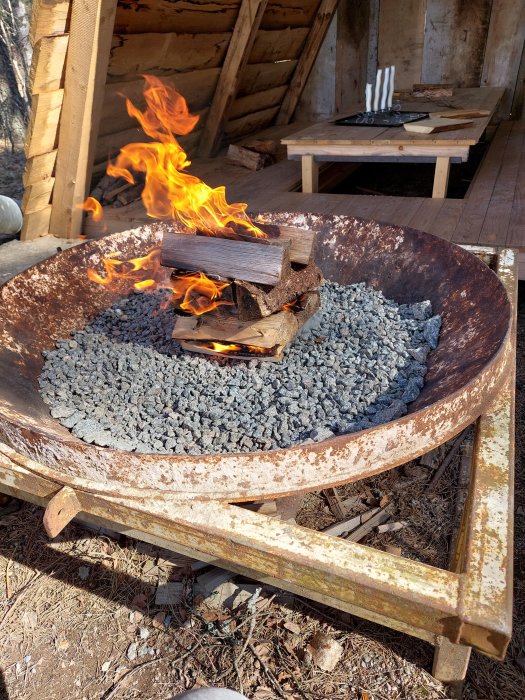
(269, 289)
(117, 191)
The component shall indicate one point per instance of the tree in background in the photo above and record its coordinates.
(15, 60)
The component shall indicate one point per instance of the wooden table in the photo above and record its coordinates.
(329, 142)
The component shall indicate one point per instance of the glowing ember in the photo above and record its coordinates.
(231, 348)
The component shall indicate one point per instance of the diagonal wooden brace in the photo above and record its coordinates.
(60, 511)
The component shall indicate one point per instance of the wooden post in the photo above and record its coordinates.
(306, 62)
(241, 42)
(451, 664)
(91, 32)
(310, 171)
(439, 190)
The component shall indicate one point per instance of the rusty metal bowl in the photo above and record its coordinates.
(49, 301)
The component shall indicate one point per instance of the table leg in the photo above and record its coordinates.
(441, 178)
(310, 174)
(450, 664)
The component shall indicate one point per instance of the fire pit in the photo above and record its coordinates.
(48, 302)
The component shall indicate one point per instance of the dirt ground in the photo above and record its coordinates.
(70, 609)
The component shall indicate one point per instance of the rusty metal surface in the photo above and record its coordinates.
(50, 300)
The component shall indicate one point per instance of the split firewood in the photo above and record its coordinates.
(277, 329)
(239, 353)
(268, 146)
(247, 158)
(255, 302)
(130, 194)
(301, 240)
(263, 264)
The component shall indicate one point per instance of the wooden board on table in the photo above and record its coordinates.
(435, 125)
(461, 114)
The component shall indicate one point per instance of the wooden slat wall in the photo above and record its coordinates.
(400, 42)
(49, 36)
(186, 44)
(454, 41)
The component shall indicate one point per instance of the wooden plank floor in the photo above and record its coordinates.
(492, 213)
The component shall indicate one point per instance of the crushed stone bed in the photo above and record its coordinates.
(123, 383)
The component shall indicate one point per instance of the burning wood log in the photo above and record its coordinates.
(264, 264)
(217, 334)
(301, 240)
(254, 302)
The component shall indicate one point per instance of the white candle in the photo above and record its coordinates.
(391, 91)
(385, 89)
(378, 89)
(368, 97)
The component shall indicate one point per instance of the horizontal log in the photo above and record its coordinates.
(197, 87)
(278, 45)
(253, 262)
(192, 16)
(250, 123)
(110, 144)
(257, 101)
(292, 13)
(257, 77)
(134, 54)
(253, 302)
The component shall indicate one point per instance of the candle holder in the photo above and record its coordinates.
(385, 117)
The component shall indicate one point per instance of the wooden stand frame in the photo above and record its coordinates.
(470, 606)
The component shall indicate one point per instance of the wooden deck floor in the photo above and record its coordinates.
(492, 213)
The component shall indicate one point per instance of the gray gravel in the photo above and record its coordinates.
(123, 383)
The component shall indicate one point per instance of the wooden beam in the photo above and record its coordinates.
(86, 67)
(306, 62)
(503, 50)
(240, 47)
(48, 17)
(36, 223)
(43, 123)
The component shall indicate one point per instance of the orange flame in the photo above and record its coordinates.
(231, 348)
(199, 294)
(169, 192)
(93, 206)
